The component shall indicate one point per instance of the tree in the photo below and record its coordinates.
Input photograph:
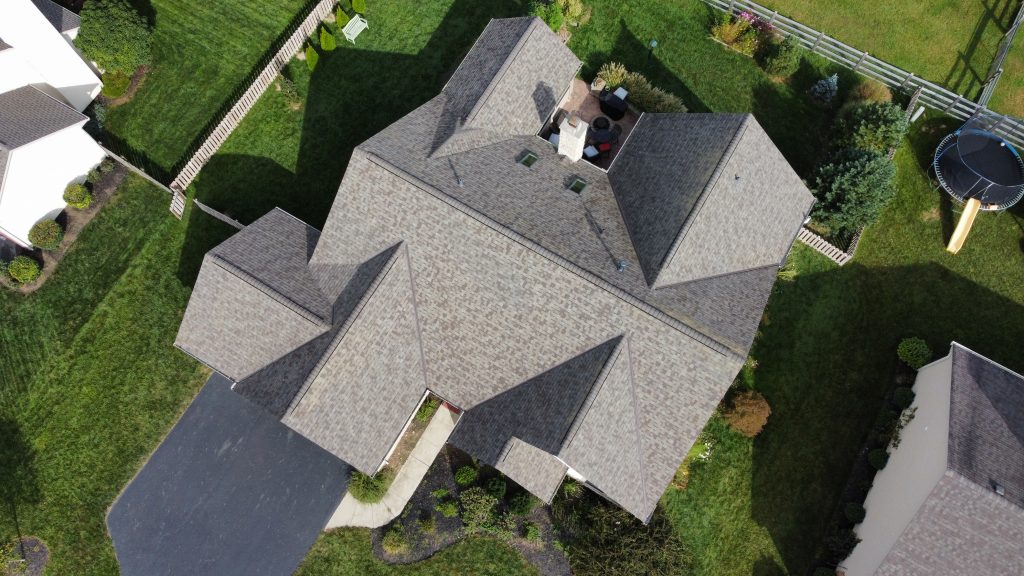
(115, 35)
(783, 58)
(747, 413)
(825, 90)
(46, 234)
(877, 126)
(853, 189)
(327, 41)
(311, 58)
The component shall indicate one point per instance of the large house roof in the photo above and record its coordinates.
(63, 20)
(26, 115)
(451, 267)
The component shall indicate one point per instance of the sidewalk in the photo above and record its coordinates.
(352, 512)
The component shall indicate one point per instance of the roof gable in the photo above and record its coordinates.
(63, 20)
(26, 115)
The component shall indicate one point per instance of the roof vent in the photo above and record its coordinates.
(998, 488)
(622, 265)
(578, 185)
(528, 158)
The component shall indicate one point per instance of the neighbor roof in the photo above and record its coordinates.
(26, 115)
(508, 295)
(63, 20)
(4, 45)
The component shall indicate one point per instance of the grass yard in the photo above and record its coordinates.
(1009, 95)
(950, 42)
(201, 51)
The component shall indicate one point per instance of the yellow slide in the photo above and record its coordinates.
(963, 227)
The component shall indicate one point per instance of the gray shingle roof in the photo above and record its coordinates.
(26, 115)
(61, 18)
(4, 45)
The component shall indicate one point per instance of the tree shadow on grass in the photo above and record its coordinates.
(352, 95)
(18, 483)
(971, 68)
(827, 359)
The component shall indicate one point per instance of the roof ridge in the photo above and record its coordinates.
(344, 328)
(639, 434)
(704, 194)
(279, 297)
(716, 276)
(500, 73)
(691, 331)
(595, 389)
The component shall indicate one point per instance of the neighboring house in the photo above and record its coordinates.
(34, 52)
(951, 499)
(589, 333)
(44, 86)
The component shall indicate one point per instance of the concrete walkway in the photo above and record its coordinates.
(352, 512)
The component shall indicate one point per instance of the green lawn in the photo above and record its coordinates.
(950, 42)
(201, 52)
(1009, 95)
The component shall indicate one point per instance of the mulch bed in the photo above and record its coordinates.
(36, 556)
(137, 77)
(549, 560)
(74, 221)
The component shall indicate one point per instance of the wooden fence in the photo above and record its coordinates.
(932, 95)
(231, 118)
(823, 246)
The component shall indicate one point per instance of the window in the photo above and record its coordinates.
(528, 159)
(578, 184)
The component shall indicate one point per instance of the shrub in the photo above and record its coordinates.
(576, 13)
(327, 41)
(447, 508)
(3, 270)
(370, 488)
(825, 90)
(394, 541)
(311, 58)
(77, 196)
(550, 12)
(729, 29)
(496, 487)
(115, 83)
(914, 352)
(823, 571)
(747, 43)
(478, 509)
(747, 413)
(341, 17)
(613, 74)
(289, 91)
(878, 458)
(853, 189)
(854, 512)
(532, 532)
(440, 493)
(46, 234)
(841, 544)
(427, 409)
(870, 90)
(648, 97)
(428, 524)
(572, 488)
(23, 269)
(107, 165)
(875, 126)
(115, 35)
(359, 6)
(522, 503)
(903, 397)
(783, 58)
(465, 476)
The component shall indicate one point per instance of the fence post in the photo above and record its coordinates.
(863, 55)
(959, 97)
(817, 41)
(775, 15)
(906, 80)
(732, 6)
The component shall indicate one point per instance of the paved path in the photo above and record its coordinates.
(352, 512)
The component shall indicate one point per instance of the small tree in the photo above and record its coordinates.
(875, 126)
(747, 413)
(341, 17)
(77, 196)
(914, 351)
(359, 6)
(327, 41)
(853, 189)
(115, 35)
(550, 12)
(46, 234)
(825, 90)
(311, 58)
(783, 58)
(23, 269)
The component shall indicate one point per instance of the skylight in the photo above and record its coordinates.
(528, 159)
(578, 184)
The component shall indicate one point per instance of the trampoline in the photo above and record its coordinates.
(974, 163)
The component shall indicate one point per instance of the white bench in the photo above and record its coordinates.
(354, 28)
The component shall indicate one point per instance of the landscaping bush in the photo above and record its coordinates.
(114, 35)
(853, 189)
(903, 397)
(428, 524)
(729, 29)
(370, 489)
(394, 541)
(77, 195)
(290, 92)
(532, 532)
(823, 571)
(311, 58)
(613, 74)
(878, 458)
(576, 13)
(551, 12)
(107, 165)
(327, 41)
(465, 476)
(359, 6)
(46, 234)
(825, 90)
(440, 493)
(496, 487)
(427, 409)
(870, 90)
(747, 413)
(447, 508)
(478, 509)
(841, 544)
(3, 270)
(572, 488)
(783, 58)
(522, 503)
(875, 126)
(854, 512)
(115, 84)
(650, 98)
(341, 17)
(914, 352)
(23, 269)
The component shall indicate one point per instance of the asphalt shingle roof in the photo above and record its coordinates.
(61, 18)
(26, 115)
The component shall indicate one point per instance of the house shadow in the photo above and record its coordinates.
(821, 416)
